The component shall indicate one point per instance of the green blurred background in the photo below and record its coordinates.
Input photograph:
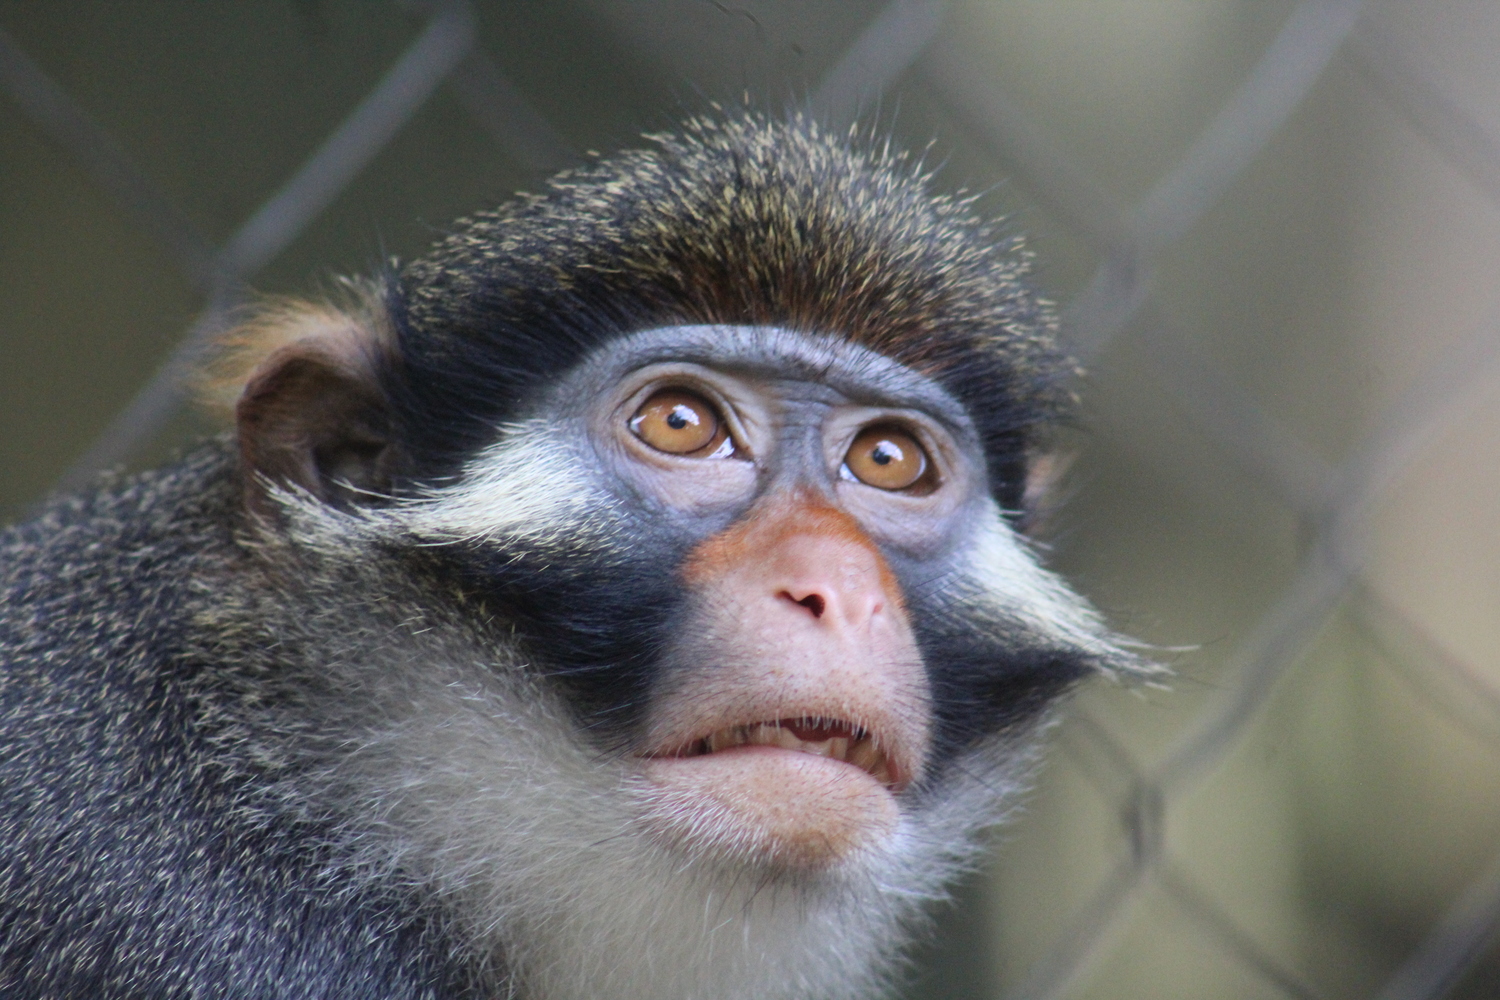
(1285, 475)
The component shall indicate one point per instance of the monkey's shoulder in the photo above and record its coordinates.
(83, 579)
(137, 857)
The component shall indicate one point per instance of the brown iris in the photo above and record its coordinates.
(681, 423)
(887, 458)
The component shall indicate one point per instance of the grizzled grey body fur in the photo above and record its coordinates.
(143, 848)
(309, 745)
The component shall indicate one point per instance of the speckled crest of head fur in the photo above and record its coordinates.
(733, 220)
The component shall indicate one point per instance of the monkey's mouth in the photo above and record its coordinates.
(834, 739)
(796, 791)
(799, 770)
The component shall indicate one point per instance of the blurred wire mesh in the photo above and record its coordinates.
(1274, 230)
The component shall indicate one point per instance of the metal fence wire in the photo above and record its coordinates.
(1150, 901)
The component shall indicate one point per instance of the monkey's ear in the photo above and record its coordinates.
(312, 413)
(1046, 473)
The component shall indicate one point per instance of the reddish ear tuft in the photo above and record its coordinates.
(312, 414)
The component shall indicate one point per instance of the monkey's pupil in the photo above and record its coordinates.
(885, 453)
(680, 417)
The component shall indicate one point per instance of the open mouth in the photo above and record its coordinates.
(834, 739)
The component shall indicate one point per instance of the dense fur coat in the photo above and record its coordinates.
(330, 745)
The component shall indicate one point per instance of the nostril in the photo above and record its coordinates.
(812, 602)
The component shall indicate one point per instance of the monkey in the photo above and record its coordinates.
(626, 598)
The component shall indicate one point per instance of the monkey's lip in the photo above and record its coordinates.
(833, 739)
(794, 792)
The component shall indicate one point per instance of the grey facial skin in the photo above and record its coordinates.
(793, 402)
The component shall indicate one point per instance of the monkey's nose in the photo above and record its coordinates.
(799, 556)
(837, 581)
(814, 603)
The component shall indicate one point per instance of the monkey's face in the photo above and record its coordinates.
(792, 706)
(766, 570)
(651, 616)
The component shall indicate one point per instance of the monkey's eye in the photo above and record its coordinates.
(680, 423)
(887, 458)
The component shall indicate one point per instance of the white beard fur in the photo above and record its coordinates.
(536, 843)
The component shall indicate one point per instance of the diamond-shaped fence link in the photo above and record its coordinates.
(907, 44)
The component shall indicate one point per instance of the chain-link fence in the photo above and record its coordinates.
(1274, 227)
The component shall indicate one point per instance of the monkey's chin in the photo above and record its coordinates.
(768, 806)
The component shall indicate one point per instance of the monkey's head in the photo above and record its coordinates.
(717, 449)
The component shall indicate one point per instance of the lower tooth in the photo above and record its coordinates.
(863, 754)
(861, 751)
(726, 738)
